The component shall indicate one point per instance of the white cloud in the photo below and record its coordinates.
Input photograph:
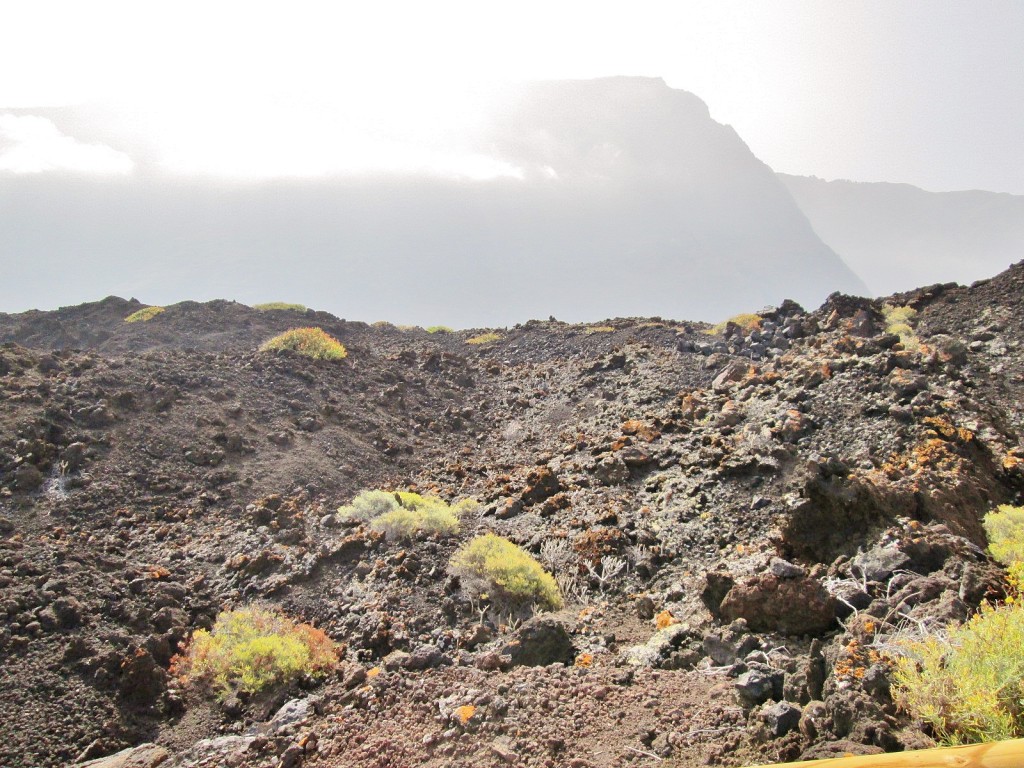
(31, 144)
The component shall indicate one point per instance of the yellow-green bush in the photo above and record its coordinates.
(484, 338)
(1005, 531)
(144, 315)
(968, 684)
(895, 314)
(403, 515)
(250, 649)
(438, 329)
(507, 575)
(279, 305)
(897, 322)
(368, 505)
(311, 342)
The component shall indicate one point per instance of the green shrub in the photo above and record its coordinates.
(495, 569)
(968, 684)
(438, 329)
(484, 338)
(1005, 530)
(144, 315)
(279, 305)
(311, 342)
(251, 649)
(404, 515)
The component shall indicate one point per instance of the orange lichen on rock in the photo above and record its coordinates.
(584, 660)
(946, 429)
(465, 713)
(665, 619)
(640, 429)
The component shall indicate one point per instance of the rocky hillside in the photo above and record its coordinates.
(740, 522)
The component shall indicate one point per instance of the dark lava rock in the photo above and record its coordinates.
(27, 478)
(780, 718)
(756, 687)
(784, 569)
(541, 484)
(539, 642)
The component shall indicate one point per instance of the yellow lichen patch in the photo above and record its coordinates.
(465, 713)
(665, 619)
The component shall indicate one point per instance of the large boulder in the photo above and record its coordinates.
(800, 606)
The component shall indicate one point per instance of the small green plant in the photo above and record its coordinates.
(251, 649)
(747, 321)
(484, 338)
(279, 305)
(144, 315)
(508, 577)
(311, 342)
(438, 329)
(404, 515)
(590, 329)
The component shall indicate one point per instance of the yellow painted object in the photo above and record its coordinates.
(997, 754)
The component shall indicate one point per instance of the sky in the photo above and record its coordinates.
(927, 93)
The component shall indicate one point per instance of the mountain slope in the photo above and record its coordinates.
(897, 236)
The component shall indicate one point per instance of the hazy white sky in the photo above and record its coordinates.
(925, 92)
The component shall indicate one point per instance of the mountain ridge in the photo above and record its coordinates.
(896, 236)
